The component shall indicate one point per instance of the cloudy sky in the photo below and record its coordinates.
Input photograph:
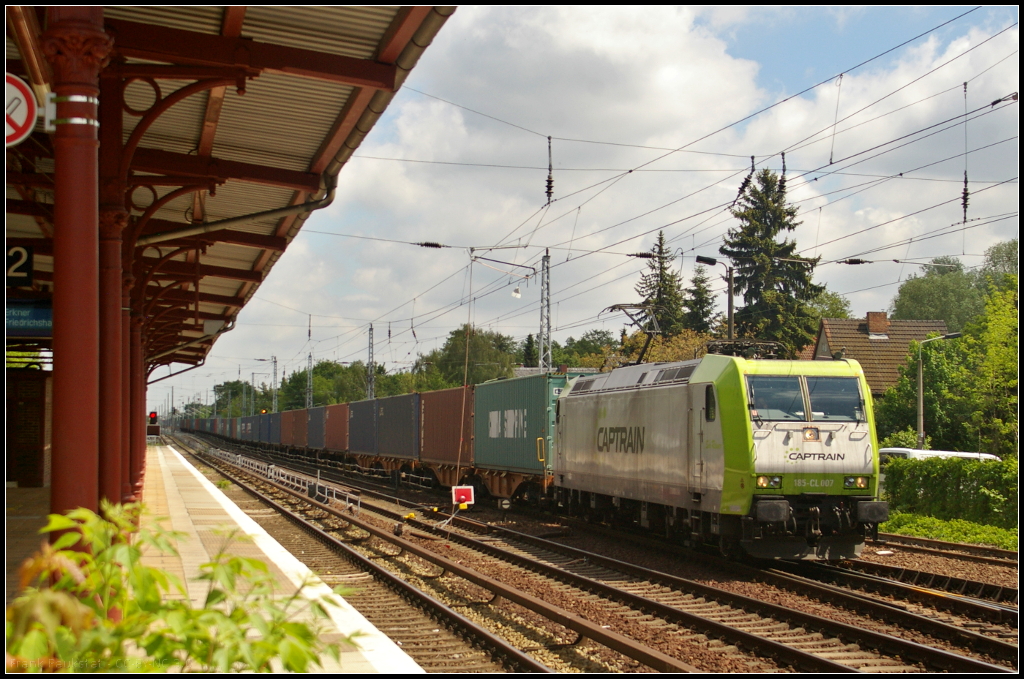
(653, 114)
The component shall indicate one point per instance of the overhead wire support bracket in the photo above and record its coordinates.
(652, 323)
(477, 258)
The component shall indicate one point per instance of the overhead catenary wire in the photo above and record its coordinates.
(577, 214)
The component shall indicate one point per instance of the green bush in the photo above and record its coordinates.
(954, 488)
(956, 530)
(98, 608)
(906, 438)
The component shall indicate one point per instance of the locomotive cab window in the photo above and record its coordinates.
(805, 398)
(775, 397)
(709, 403)
(835, 399)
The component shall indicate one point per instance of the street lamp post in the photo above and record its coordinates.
(920, 383)
(712, 261)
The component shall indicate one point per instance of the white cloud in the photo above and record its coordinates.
(659, 77)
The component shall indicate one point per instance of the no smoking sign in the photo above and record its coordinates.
(20, 110)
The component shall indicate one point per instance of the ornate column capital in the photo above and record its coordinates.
(112, 223)
(77, 50)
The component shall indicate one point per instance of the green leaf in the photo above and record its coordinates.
(215, 597)
(34, 645)
(66, 540)
(293, 655)
(57, 522)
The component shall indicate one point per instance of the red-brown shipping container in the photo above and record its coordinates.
(299, 424)
(336, 427)
(288, 427)
(441, 413)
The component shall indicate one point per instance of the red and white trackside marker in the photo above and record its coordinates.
(20, 110)
(462, 495)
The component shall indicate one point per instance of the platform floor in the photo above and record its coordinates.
(27, 509)
(189, 503)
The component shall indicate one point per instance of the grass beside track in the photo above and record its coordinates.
(956, 530)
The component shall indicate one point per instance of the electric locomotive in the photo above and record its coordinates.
(777, 459)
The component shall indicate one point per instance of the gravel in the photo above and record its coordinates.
(1003, 576)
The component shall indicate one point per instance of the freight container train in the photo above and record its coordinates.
(775, 459)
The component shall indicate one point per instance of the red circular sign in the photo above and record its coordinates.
(20, 110)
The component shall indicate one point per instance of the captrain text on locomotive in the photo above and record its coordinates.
(777, 459)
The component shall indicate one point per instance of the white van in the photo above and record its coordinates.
(886, 454)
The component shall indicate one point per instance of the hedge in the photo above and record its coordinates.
(954, 488)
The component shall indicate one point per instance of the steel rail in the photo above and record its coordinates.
(440, 611)
(881, 642)
(835, 595)
(617, 642)
(979, 610)
(952, 550)
(934, 657)
(775, 649)
(995, 648)
(947, 583)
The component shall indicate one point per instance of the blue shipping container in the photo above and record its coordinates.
(398, 426)
(362, 427)
(315, 428)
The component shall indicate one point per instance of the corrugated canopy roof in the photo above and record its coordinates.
(279, 98)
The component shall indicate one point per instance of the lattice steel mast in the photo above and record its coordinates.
(545, 313)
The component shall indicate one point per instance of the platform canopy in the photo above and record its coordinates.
(229, 116)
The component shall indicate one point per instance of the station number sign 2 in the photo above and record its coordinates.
(19, 266)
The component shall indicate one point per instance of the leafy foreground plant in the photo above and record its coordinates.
(98, 608)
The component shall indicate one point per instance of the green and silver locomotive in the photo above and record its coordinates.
(777, 459)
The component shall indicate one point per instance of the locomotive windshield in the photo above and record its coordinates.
(782, 398)
(835, 399)
(775, 397)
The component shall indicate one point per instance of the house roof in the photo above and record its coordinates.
(880, 354)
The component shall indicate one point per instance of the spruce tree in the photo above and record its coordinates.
(530, 357)
(775, 283)
(699, 301)
(661, 288)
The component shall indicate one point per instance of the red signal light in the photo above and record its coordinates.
(152, 417)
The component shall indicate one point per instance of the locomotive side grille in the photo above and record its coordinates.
(681, 373)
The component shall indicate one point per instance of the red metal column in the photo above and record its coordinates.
(137, 420)
(113, 218)
(127, 489)
(76, 47)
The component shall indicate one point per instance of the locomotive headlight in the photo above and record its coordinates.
(769, 482)
(858, 482)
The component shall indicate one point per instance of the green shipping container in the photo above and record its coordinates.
(511, 415)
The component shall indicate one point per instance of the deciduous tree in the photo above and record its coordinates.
(945, 291)
(830, 305)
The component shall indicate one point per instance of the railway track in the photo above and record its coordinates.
(969, 607)
(666, 603)
(981, 591)
(482, 601)
(953, 550)
(426, 629)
